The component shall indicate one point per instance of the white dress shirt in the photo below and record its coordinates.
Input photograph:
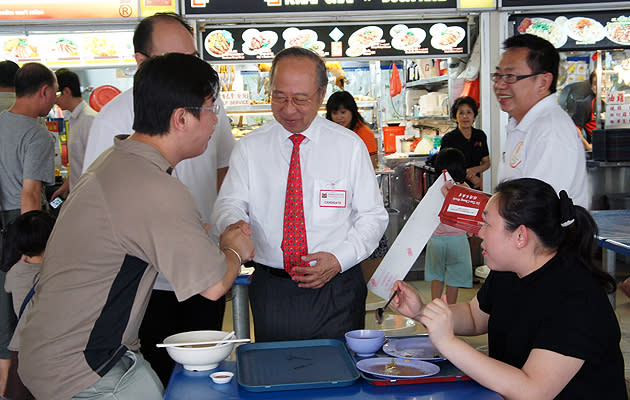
(199, 174)
(79, 123)
(545, 145)
(343, 207)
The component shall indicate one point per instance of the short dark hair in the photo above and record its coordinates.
(320, 66)
(345, 100)
(30, 231)
(7, 73)
(69, 79)
(142, 36)
(592, 77)
(535, 204)
(542, 57)
(31, 77)
(467, 100)
(160, 87)
(452, 160)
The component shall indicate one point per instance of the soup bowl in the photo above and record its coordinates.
(199, 357)
(365, 342)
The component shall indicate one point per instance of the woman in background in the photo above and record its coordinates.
(470, 141)
(552, 333)
(342, 109)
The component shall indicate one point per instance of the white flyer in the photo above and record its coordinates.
(410, 241)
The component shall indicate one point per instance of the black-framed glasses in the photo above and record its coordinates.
(511, 78)
(215, 108)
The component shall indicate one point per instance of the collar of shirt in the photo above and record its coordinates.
(74, 114)
(533, 114)
(122, 143)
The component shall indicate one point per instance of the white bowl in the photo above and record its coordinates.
(199, 358)
(365, 342)
(222, 377)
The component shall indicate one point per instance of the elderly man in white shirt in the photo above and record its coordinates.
(308, 282)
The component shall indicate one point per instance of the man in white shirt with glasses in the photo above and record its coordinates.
(541, 141)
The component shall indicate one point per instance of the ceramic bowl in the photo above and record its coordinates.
(365, 342)
(200, 357)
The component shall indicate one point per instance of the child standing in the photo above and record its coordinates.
(28, 234)
(448, 253)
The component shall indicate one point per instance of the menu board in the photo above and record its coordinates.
(578, 31)
(68, 9)
(337, 41)
(214, 7)
(68, 50)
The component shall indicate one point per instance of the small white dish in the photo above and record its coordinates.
(222, 377)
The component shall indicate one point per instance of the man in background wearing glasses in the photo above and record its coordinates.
(308, 282)
(541, 141)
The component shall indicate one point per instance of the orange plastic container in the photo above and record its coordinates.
(389, 137)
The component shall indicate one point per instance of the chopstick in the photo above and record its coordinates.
(201, 343)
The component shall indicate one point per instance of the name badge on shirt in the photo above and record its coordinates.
(332, 198)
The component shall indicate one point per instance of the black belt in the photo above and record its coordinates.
(280, 273)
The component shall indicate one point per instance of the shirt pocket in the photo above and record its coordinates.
(331, 201)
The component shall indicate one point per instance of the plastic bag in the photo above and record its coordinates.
(395, 85)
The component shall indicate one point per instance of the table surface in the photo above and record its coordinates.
(614, 229)
(192, 385)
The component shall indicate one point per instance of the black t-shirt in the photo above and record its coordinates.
(559, 307)
(474, 149)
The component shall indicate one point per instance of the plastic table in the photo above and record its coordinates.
(197, 385)
(614, 237)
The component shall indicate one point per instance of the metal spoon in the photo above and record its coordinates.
(381, 310)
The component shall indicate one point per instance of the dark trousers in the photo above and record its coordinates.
(166, 316)
(284, 311)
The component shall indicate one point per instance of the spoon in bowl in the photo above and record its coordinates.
(381, 310)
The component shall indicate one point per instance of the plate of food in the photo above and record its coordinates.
(408, 38)
(21, 48)
(256, 42)
(450, 37)
(619, 31)
(365, 37)
(386, 367)
(294, 37)
(219, 42)
(544, 28)
(397, 29)
(414, 348)
(65, 48)
(582, 29)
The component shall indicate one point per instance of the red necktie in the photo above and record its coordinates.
(294, 244)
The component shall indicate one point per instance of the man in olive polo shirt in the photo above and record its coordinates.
(126, 220)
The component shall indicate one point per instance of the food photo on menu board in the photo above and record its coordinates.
(582, 30)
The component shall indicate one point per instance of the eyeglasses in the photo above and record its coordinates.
(511, 78)
(297, 101)
(215, 108)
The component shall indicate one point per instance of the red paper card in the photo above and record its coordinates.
(463, 208)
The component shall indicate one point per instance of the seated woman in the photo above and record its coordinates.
(342, 109)
(552, 333)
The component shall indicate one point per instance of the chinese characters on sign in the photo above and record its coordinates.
(617, 111)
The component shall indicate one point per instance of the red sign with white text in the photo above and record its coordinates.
(67, 9)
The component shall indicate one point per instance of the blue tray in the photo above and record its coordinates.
(300, 364)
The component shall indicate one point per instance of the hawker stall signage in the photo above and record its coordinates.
(578, 31)
(337, 41)
(214, 7)
(68, 9)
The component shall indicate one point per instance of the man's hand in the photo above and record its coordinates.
(63, 190)
(238, 237)
(325, 268)
(4, 374)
